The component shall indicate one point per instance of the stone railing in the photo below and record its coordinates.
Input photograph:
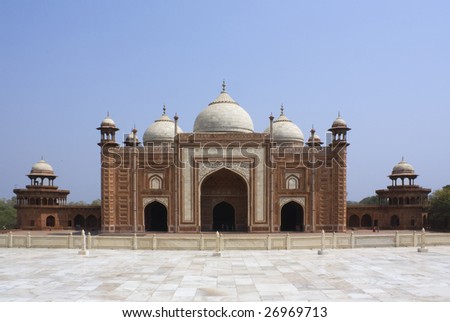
(228, 241)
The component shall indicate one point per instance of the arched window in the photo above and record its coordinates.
(155, 183)
(292, 183)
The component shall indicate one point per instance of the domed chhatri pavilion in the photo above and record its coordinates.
(41, 205)
(403, 205)
(223, 176)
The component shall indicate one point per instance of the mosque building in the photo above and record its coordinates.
(222, 176)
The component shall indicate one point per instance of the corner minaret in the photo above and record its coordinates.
(337, 164)
(107, 143)
(108, 131)
(339, 130)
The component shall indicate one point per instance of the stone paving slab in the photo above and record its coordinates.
(376, 274)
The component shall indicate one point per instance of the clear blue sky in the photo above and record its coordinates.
(385, 65)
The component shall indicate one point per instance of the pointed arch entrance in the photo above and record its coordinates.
(224, 202)
(292, 217)
(155, 217)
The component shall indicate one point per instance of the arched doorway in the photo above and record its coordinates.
(50, 221)
(223, 217)
(292, 217)
(78, 222)
(366, 221)
(91, 223)
(155, 217)
(353, 221)
(224, 196)
(395, 221)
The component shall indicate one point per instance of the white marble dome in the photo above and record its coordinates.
(162, 130)
(284, 130)
(223, 115)
(42, 167)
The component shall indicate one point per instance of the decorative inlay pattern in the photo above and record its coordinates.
(299, 200)
(242, 168)
(162, 200)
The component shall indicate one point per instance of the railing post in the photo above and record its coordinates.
(10, 240)
(423, 248)
(70, 240)
(414, 239)
(89, 241)
(154, 242)
(397, 239)
(269, 242)
(352, 240)
(135, 242)
(202, 245)
(28, 240)
(321, 251)
(217, 252)
(288, 241)
(334, 241)
(83, 250)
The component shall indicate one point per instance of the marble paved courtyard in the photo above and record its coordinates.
(381, 274)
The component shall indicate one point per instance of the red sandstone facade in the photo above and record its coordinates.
(222, 176)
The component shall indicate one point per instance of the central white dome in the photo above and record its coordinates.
(223, 115)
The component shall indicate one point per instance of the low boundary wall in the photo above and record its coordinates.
(219, 242)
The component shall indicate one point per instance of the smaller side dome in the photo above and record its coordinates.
(284, 130)
(108, 122)
(339, 122)
(316, 141)
(132, 139)
(403, 168)
(162, 130)
(42, 168)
